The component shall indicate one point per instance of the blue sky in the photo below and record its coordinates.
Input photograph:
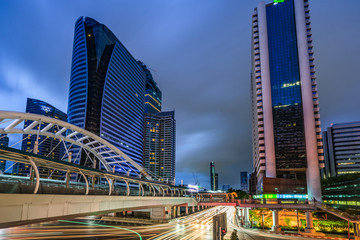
(199, 54)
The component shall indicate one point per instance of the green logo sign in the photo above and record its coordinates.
(278, 1)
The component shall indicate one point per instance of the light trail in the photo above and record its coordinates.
(100, 225)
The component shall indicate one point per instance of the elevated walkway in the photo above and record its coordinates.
(20, 209)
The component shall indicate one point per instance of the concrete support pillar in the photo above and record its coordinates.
(67, 178)
(247, 216)
(178, 211)
(93, 182)
(309, 223)
(187, 210)
(356, 231)
(193, 209)
(159, 213)
(198, 207)
(275, 217)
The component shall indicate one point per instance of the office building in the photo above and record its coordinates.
(342, 191)
(244, 181)
(212, 176)
(287, 145)
(106, 95)
(341, 149)
(216, 181)
(4, 141)
(252, 183)
(152, 92)
(47, 146)
(159, 145)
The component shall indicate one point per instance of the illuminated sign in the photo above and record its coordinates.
(278, 1)
(46, 108)
(281, 196)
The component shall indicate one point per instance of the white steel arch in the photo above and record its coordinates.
(105, 152)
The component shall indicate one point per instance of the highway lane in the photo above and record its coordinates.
(197, 226)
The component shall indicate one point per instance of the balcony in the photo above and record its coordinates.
(259, 104)
(258, 92)
(259, 110)
(258, 98)
(320, 150)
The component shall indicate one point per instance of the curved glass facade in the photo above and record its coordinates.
(107, 90)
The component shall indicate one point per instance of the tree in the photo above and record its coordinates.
(234, 235)
(241, 194)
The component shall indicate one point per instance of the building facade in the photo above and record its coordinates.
(341, 149)
(47, 146)
(212, 176)
(159, 145)
(152, 92)
(287, 145)
(106, 95)
(4, 141)
(244, 181)
(342, 191)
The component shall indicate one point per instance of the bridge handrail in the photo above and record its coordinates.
(337, 212)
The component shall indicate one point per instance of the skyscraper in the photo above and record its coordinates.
(287, 145)
(342, 149)
(244, 181)
(152, 92)
(48, 146)
(159, 145)
(4, 141)
(106, 95)
(214, 177)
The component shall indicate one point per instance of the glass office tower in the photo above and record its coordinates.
(287, 147)
(152, 92)
(159, 145)
(342, 149)
(107, 89)
(48, 146)
(4, 141)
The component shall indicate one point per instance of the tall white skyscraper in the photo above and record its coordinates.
(287, 145)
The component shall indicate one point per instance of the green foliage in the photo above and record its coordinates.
(234, 235)
(287, 221)
(241, 194)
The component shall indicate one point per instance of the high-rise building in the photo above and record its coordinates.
(212, 176)
(341, 149)
(47, 146)
(159, 145)
(106, 95)
(4, 141)
(152, 92)
(216, 181)
(244, 181)
(287, 146)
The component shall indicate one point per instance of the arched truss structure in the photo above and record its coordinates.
(72, 137)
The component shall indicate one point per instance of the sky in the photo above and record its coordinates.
(199, 54)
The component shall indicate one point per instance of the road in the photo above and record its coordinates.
(197, 226)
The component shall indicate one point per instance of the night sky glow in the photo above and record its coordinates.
(199, 53)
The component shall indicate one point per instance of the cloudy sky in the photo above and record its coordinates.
(199, 54)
